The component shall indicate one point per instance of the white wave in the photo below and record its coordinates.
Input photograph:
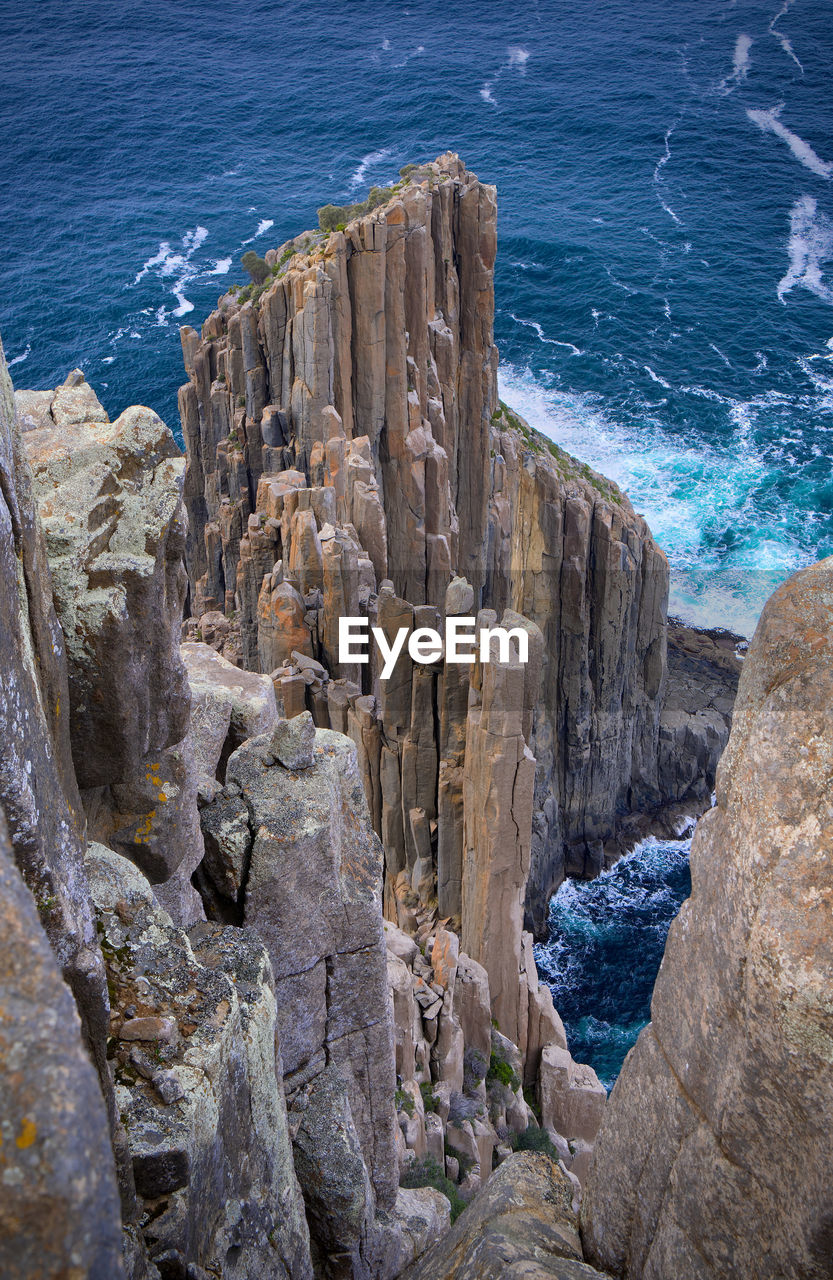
(708, 393)
(666, 310)
(193, 239)
(157, 260)
(221, 267)
(162, 317)
(655, 377)
(810, 246)
(553, 342)
(741, 62)
(620, 284)
(671, 213)
(370, 161)
(184, 305)
(762, 363)
(23, 356)
(783, 40)
(413, 54)
(723, 357)
(107, 359)
(170, 261)
(518, 57)
(262, 227)
(770, 122)
(686, 489)
(516, 60)
(386, 44)
(666, 155)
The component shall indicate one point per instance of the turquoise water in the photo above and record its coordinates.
(664, 282)
(607, 937)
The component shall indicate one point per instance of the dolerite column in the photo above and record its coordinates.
(498, 784)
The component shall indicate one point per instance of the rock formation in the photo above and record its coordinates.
(520, 1227)
(189, 1027)
(60, 1198)
(292, 898)
(39, 793)
(347, 454)
(714, 1156)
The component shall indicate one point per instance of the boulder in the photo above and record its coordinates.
(520, 1226)
(713, 1157)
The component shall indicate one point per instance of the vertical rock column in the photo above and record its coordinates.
(498, 787)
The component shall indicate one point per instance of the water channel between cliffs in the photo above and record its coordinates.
(605, 945)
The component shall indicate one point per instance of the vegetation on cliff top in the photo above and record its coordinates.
(568, 467)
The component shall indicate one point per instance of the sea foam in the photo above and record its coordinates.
(770, 122)
(23, 356)
(810, 246)
(741, 62)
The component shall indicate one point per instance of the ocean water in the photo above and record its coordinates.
(665, 173)
(607, 938)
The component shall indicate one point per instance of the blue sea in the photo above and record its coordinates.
(665, 177)
(607, 938)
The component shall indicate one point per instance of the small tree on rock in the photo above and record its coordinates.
(257, 267)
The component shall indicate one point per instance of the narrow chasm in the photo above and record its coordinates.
(605, 945)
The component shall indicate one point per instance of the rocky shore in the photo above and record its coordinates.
(269, 1003)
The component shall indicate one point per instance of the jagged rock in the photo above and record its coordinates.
(520, 1226)
(714, 1157)
(38, 791)
(571, 1095)
(227, 707)
(386, 328)
(703, 672)
(60, 1197)
(292, 742)
(201, 1098)
(110, 500)
(314, 895)
(569, 553)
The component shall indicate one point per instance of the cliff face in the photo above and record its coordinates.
(347, 454)
(42, 814)
(714, 1157)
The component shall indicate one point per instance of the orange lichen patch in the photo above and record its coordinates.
(144, 829)
(27, 1135)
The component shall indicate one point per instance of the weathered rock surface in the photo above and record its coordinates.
(110, 500)
(310, 880)
(519, 1227)
(197, 1065)
(714, 1156)
(38, 791)
(498, 785)
(703, 672)
(59, 1197)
